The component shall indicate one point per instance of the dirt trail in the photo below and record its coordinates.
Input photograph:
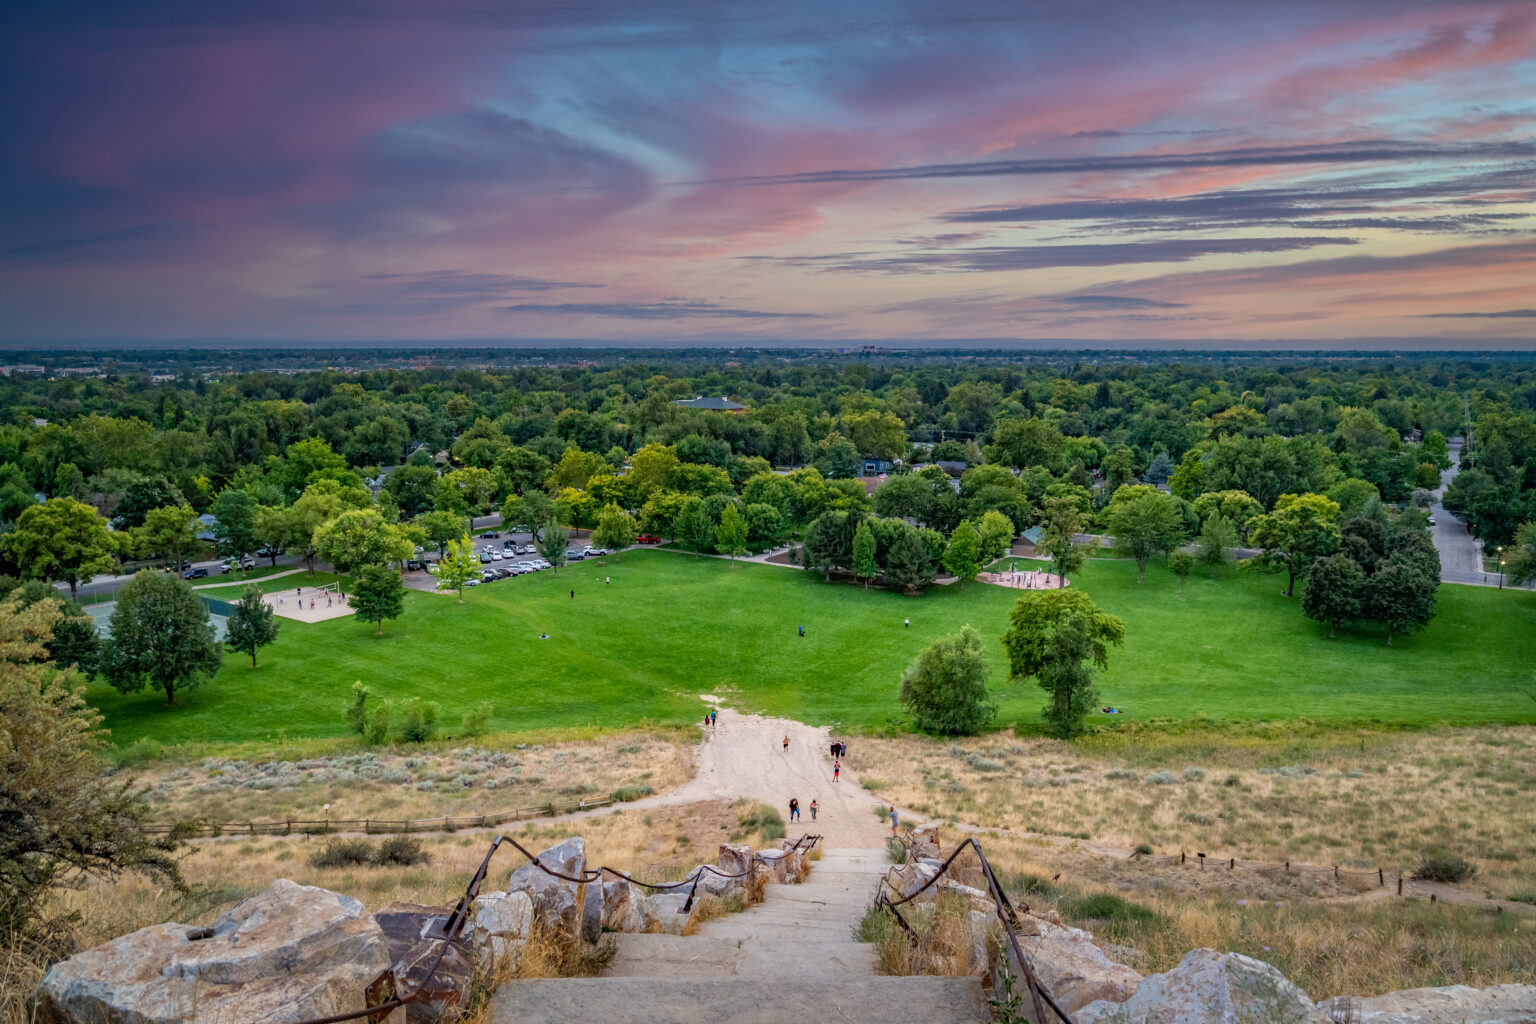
(743, 756)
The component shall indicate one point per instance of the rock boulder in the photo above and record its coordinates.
(1071, 967)
(291, 953)
(558, 904)
(1454, 1004)
(665, 912)
(500, 931)
(624, 908)
(1208, 987)
(447, 982)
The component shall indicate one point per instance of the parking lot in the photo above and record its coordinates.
(502, 555)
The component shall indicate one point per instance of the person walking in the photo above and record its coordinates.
(893, 821)
(906, 623)
(607, 580)
(814, 808)
(794, 809)
(573, 595)
(714, 716)
(786, 743)
(837, 769)
(802, 630)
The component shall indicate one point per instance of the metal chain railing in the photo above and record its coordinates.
(1006, 913)
(381, 997)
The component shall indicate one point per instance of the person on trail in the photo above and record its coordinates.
(814, 808)
(837, 769)
(794, 809)
(786, 743)
(906, 623)
(893, 821)
(714, 716)
(834, 751)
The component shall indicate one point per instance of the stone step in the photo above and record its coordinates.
(673, 956)
(710, 1000)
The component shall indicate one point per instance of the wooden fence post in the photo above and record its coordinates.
(1335, 871)
(1381, 878)
(1399, 885)
(1233, 865)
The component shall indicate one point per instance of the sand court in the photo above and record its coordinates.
(307, 604)
(1024, 579)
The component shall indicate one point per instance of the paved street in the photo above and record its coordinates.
(1460, 561)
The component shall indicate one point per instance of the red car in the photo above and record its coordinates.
(647, 538)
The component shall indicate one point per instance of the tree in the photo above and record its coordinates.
(440, 527)
(616, 529)
(963, 556)
(1053, 635)
(731, 534)
(161, 636)
(765, 526)
(1159, 469)
(1028, 442)
(360, 538)
(1181, 564)
(864, 565)
(141, 496)
(321, 502)
(1064, 520)
(61, 540)
(910, 562)
(252, 625)
(380, 595)
(75, 641)
(64, 819)
(170, 532)
(412, 487)
(458, 566)
(234, 512)
(1400, 596)
(693, 525)
(551, 541)
(530, 512)
(945, 688)
(275, 530)
(996, 535)
(1236, 507)
(1145, 524)
(1299, 530)
(1334, 592)
(1520, 558)
(1217, 538)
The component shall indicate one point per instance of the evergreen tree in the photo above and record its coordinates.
(864, 565)
(379, 595)
(252, 625)
(910, 562)
(945, 688)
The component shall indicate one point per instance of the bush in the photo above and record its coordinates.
(1442, 866)
(897, 850)
(343, 853)
(1162, 779)
(477, 718)
(628, 793)
(1193, 773)
(767, 822)
(418, 720)
(400, 851)
(356, 708)
(945, 689)
(1143, 850)
(378, 725)
(1113, 916)
(140, 750)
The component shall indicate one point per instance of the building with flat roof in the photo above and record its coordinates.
(721, 404)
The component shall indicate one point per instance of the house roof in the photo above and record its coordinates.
(872, 482)
(1033, 534)
(710, 402)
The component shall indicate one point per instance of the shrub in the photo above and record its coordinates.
(766, 820)
(477, 718)
(343, 853)
(377, 730)
(897, 850)
(140, 750)
(983, 764)
(1443, 866)
(356, 708)
(1162, 779)
(1143, 850)
(418, 720)
(1114, 917)
(1193, 773)
(400, 851)
(628, 793)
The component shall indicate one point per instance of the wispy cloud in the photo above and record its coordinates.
(1115, 302)
(1502, 314)
(465, 283)
(1039, 257)
(666, 309)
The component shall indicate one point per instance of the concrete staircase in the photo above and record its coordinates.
(791, 955)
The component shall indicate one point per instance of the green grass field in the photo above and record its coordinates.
(671, 627)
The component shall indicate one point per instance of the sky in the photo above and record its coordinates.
(1260, 174)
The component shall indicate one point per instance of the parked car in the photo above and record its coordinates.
(648, 538)
(195, 574)
(414, 565)
(269, 552)
(489, 535)
(471, 582)
(528, 549)
(490, 574)
(511, 545)
(572, 555)
(485, 558)
(592, 552)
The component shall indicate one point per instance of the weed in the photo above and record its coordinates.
(1443, 866)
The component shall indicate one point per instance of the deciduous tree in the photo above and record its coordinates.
(945, 688)
(459, 565)
(731, 534)
(1334, 592)
(251, 626)
(61, 540)
(1145, 524)
(161, 636)
(360, 538)
(864, 565)
(616, 529)
(1300, 529)
(1053, 636)
(552, 538)
(170, 531)
(1181, 564)
(379, 595)
(963, 556)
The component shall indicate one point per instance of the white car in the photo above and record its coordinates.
(471, 582)
(590, 551)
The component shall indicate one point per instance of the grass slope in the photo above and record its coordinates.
(671, 627)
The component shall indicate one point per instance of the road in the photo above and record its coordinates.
(1460, 555)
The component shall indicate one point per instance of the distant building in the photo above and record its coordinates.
(876, 466)
(872, 483)
(721, 404)
(206, 522)
(20, 368)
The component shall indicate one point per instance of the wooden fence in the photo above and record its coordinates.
(371, 826)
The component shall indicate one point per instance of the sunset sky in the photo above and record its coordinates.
(1286, 172)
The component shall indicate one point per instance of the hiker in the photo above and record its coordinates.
(714, 716)
(842, 751)
(906, 623)
(834, 751)
(802, 630)
(814, 808)
(893, 821)
(786, 743)
(837, 769)
(794, 809)
(573, 595)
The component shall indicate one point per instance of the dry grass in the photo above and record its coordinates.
(1332, 938)
(1309, 794)
(655, 846)
(423, 782)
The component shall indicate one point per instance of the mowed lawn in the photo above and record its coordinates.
(671, 626)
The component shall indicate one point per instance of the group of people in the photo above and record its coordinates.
(298, 592)
(794, 809)
(710, 716)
